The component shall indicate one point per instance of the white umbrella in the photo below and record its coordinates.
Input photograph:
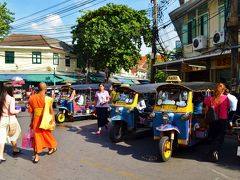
(17, 78)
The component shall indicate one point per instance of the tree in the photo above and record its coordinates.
(6, 18)
(160, 76)
(110, 37)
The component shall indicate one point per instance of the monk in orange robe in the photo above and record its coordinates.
(42, 138)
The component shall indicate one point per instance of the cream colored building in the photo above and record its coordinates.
(201, 27)
(37, 58)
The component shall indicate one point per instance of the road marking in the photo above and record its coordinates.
(221, 174)
(109, 169)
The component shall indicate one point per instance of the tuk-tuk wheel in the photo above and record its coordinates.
(60, 117)
(116, 133)
(165, 148)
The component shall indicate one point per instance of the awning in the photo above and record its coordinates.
(179, 61)
(4, 80)
(47, 78)
(125, 81)
(67, 79)
(97, 79)
(114, 81)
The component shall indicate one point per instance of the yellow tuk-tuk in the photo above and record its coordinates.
(179, 115)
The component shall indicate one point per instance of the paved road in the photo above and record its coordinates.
(83, 155)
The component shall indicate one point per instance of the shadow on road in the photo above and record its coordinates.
(145, 149)
(140, 147)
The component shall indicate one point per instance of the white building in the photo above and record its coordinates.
(37, 58)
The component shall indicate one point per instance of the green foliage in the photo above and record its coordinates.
(111, 37)
(6, 17)
(160, 76)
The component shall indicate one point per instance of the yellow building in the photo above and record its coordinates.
(37, 58)
(201, 26)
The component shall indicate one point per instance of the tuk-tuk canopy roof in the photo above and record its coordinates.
(194, 86)
(145, 88)
(88, 86)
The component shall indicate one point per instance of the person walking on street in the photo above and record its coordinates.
(217, 128)
(41, 138)
(233, 105)
(13, 119)
(7, 110)
(101, 106)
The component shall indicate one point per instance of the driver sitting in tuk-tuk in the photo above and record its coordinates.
(141, 104)
(72, 96)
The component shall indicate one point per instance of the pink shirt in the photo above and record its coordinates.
(9, 107)
(101, 97)
(222, 108)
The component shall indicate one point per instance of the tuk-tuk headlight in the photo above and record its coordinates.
(119, 109)
(152, 115)
(165, 118)
(185, 116)
(130, 110)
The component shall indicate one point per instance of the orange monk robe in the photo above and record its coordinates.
(42, 138)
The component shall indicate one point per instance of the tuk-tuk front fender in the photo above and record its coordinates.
(167, 127)
(60, 108)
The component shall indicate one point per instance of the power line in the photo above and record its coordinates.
(38, 12)
(57, 12)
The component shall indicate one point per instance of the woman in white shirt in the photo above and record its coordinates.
(7, 110)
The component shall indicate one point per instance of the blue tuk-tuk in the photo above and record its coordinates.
(179, 115)
(131, 110)
(77, 102)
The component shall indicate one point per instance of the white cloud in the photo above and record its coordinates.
(50, 23)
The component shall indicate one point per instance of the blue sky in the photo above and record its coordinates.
(58, 25)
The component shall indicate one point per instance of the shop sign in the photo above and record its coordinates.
(223, 62)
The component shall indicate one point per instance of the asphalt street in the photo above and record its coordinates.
(84, 155)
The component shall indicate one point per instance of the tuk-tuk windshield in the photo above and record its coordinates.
(125, 96)
(172, 96)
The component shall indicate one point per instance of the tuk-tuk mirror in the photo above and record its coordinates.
(185, 95)
(159, 102)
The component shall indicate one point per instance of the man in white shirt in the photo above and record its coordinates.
(233, 105)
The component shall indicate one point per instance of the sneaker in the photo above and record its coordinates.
(215, 156)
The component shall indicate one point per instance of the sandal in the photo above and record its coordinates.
(15, 153)
(35, 161)
(53, 150)
(2, 160)
(98, 132)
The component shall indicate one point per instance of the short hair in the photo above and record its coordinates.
(42, 86)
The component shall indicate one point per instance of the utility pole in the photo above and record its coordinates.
(232, 25)
(154, 37)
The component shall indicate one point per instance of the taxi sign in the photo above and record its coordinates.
(173, 79)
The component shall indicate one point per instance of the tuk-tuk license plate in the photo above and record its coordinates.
(238, 151)
(116, 118)
(170, 107)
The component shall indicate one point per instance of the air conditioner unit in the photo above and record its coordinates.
(218, 38)
(199, 43)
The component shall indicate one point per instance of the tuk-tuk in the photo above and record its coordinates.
(179, 115)
(236, 129)
(78, 102)
(131, 110)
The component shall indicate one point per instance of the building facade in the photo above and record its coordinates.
(206, 53)
(37, 58)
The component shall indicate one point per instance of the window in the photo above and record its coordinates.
(67, 61)
(55, 59)
(184, 34)
(221, 18)
(78, 63)
(9, 57)
(191, 26)
(36, 58)
(203, 25)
